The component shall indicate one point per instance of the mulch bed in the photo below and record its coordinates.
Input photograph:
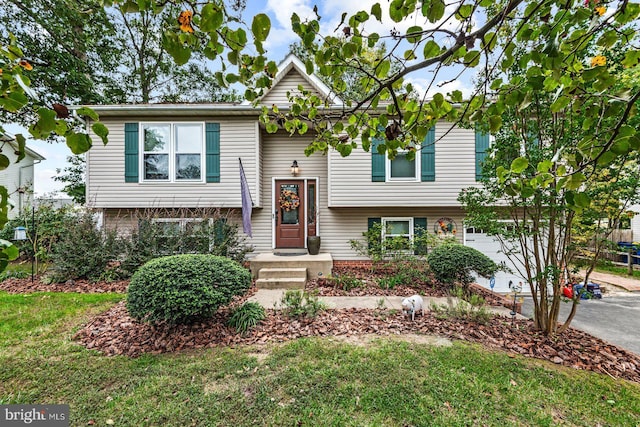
(115, 333)
(327, 288)
(368, 284)
(21, 286)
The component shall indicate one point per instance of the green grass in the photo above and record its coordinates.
(14, 269)
(307, 382)
(619, 271)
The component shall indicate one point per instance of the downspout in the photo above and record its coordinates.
(77, 117)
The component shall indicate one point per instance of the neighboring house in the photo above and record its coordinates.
(18, 178)
(54, 202)
(177, 156)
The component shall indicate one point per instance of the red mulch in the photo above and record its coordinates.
(21, 286)
(114, 332)
(328, 288)
(369, 284)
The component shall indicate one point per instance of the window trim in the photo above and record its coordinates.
(417, 169)
(386, 219)
(182, 223)
(172, 153)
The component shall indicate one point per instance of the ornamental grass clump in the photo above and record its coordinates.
(183, 289)
(247, 317)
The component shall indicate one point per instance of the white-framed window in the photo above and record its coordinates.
(397, 230)
(182, 235)
(172, 152)
(400, 168)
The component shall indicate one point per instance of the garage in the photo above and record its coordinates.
(488, 245)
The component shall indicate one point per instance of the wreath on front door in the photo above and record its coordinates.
(289, 200)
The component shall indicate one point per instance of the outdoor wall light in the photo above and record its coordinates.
(294, 168)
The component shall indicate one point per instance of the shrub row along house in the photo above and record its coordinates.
(187, 156)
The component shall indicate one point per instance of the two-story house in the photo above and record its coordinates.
(18, 177)
(179, 156)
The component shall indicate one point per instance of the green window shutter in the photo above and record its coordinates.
(131, 147)
(428, 156)
(378, 162)
(213, 152)
(219, 230)
(482, 145)
(371, 222)
(419, 230)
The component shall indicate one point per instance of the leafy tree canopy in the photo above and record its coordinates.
(73, 178)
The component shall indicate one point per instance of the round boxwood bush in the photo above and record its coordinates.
(182, 289)
(454, 263)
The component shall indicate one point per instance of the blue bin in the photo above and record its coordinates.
(577, 289)
(594, 290)
(624, 247)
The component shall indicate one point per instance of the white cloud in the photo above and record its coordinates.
(281, 34)
(421, 85)
(44, 183)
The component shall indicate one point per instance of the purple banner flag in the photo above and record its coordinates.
(247, 203)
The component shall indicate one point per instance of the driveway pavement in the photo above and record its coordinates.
(614, 318)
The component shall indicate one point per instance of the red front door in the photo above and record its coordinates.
(290, 209)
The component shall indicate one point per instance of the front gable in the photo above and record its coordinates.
(291, 75)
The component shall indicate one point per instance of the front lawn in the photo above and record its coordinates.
(304, 382)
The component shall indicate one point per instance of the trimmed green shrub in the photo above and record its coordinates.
(182, 289)
(246, 317)
(454, 263)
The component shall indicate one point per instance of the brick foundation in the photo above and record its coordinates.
(346, 263)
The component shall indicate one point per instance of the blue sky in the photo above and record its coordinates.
(277, 44)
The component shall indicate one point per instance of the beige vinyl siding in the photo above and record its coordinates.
(259, 201)
(278, 152)
(290, 82)
(351, 186)
(106, 186)
(340, 225)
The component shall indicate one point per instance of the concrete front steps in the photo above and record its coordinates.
(288, 271)
(282, 278)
